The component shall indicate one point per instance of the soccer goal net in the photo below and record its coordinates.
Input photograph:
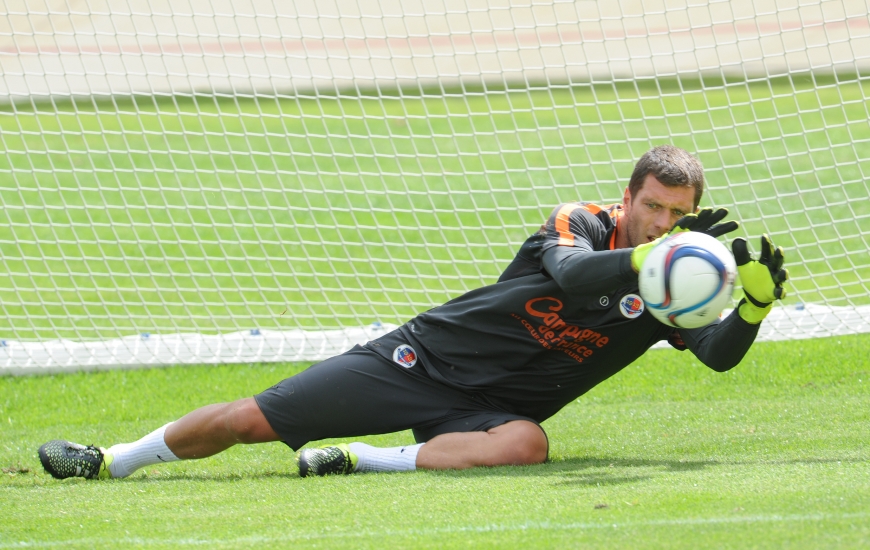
(249, 180)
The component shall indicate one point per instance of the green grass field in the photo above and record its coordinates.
(218, 214)
(668, 454)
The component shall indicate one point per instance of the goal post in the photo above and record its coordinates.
(252, 180)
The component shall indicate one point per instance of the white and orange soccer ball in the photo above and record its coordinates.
(687, 280)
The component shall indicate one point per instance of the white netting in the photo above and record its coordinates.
(200, 170)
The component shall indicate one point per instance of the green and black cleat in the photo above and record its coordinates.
(327, 460)
(63, 459)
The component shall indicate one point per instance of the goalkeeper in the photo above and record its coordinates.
(475, 377)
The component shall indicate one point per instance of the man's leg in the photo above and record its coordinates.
(215, 428)
(201, 433)
(517, 442)
(198, 434)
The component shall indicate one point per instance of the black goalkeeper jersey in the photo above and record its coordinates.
(564, 316)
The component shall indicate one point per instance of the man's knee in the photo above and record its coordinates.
(524, 442)
(245, 422)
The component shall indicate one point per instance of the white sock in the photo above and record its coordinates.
(129, 457)
(393, 459)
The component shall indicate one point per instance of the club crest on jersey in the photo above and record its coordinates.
(631, 306)
(405, 356)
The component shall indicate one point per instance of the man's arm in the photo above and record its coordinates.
(721, 345)
(580, 267)
(583, 270)
(576, 255)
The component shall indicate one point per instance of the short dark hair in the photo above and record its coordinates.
(670, 165)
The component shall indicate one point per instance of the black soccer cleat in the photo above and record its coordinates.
(63, 459)
(331, 459)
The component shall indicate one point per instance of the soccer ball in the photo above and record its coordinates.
(687, 280)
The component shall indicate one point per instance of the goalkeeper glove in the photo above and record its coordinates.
(705, 221)
(762, 279)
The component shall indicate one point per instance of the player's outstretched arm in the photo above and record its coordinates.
(722, 345)
(582, 271)
(704, 221)
(575, 254)
(762, 278)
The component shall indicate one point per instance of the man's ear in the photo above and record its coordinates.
(626, 198)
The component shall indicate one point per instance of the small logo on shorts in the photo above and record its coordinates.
(604, 301)
(631, 306)
(405, 356)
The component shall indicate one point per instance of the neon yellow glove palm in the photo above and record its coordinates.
(705, 221)
(762, 279)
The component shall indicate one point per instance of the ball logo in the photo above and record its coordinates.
(677, 252)
(405, 356)
(631, 306)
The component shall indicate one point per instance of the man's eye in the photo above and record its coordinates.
(652, 205)
(679, 213)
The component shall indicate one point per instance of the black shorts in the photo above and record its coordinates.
(361, 393)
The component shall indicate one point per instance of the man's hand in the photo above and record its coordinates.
(704, 221)
(762, 279)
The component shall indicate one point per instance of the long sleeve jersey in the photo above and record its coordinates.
(564, 316)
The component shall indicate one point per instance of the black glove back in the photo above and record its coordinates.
(707, 221)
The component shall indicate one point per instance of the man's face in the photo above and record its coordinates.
(655, 209)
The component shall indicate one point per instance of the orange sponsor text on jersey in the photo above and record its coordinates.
(555, 333)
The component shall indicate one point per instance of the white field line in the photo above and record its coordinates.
(492, 528)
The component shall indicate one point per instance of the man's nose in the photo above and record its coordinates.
(664, 221)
